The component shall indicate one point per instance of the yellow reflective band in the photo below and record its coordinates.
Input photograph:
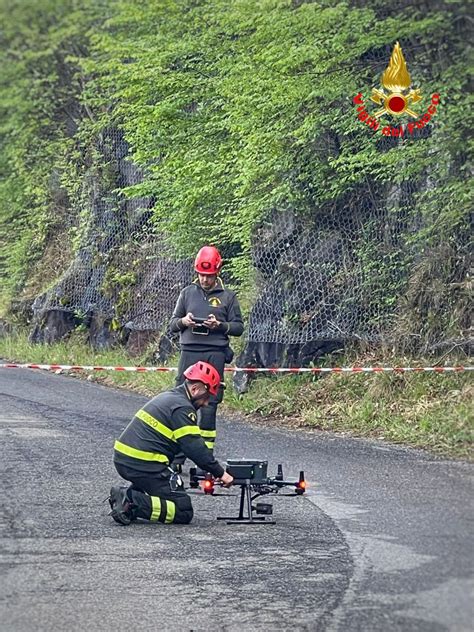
(211, 434)
(140, 454)
(155, 508)
(210, 444)
(186, 430)
(170, 511)
(155, 424)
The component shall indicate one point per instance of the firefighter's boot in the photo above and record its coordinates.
(121, 505)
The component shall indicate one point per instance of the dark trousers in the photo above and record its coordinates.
(207, 414)
(153, 498)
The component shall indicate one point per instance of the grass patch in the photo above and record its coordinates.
(431, 411)
(18, 349)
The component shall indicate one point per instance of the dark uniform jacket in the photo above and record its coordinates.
(219, 301)
(164, 427)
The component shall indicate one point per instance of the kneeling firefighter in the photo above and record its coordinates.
(164, 427)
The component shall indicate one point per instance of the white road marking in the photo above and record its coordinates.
(26, 427)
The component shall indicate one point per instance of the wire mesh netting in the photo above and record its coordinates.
(325, 278)
(123, 268)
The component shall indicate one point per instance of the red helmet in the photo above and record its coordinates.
(205, 373)
(208, 261)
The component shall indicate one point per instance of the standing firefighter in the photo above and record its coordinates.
(165, 426)
(206, 298)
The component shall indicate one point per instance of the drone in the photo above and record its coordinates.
(251, 476)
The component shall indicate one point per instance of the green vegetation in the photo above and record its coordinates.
(235, 109)
(74, 351)
(39, 111)
(421, 410)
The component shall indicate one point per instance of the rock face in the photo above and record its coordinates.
(54, 325)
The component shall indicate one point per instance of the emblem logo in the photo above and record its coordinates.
(396, 79)
(214, 301)
(396, 100)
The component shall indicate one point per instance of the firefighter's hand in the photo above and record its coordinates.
(226, 479)
(188, 320)
(211, 322)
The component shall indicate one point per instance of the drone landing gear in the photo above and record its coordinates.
(263, 509)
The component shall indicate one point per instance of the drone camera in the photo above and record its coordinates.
(264, 509)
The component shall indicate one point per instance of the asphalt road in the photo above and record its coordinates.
(384, 542)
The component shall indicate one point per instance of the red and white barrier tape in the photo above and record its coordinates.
(160, 369)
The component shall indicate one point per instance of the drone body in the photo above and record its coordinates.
(251, 476)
